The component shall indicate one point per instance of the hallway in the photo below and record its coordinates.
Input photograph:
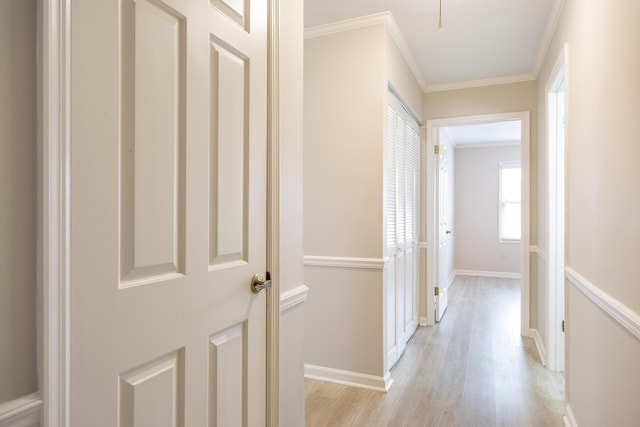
(472, 369)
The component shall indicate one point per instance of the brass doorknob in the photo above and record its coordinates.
(258, 283)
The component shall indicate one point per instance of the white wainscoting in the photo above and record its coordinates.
(622, 314)
(498, 274)
(353, 379)
(293, 297)
(542, 352)
(346, 262)
(23, 412)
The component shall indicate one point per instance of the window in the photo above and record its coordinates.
(510, 178)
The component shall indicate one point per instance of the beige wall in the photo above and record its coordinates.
(476, 211)
(346, 87)
(17, 199)
(603, 202)
(343, 121)
(343, 146)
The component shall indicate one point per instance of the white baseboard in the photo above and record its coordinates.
(23, 412)
(451, 279)
(542, 352)
(499, 274)
(423, 321)
(293, 297)
(353, 379)
(569, 419)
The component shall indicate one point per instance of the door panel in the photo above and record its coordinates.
(152, 112)
(168, 207)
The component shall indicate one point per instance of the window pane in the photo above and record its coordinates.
(511, 222)
(510, 200)
(511, 180)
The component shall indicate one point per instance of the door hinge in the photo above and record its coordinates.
(563, 326)
(436, 291)
(436, 149)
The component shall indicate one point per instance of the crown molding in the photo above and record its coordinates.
(347, 25)
(552, 24)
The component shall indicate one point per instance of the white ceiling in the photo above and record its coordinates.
(485, 133)
(481, 39)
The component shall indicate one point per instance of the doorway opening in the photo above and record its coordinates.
(439, 132)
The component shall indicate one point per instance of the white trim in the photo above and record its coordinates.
(347, 25)
(385, 18)
(293, 297)
(487, 145)
(422, 245)
(569, 419)
(423, 321)
(346, 262)
(353, 379)
(518, 78)
(273, 215)
(554, 166)
(55, 196)
(451, 279)
(22, 412)
(552, 23)
(619, 312)
(536, 250)
(498, 274)
(542, 352)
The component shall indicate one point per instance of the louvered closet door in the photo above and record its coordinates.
(168, 212)
(402, 146)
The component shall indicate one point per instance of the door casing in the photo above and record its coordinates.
(429, 214)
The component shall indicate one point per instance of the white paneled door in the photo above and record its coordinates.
(443, 230)
(168, 212)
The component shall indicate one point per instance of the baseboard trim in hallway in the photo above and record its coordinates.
(497, 274)
(542, 352)
(569, 419)
(353, 379)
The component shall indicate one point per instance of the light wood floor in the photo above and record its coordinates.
(472, 369)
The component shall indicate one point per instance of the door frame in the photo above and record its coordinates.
(555, 214)
(430, 193)
(54, 214)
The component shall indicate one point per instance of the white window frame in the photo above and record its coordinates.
(501, 166)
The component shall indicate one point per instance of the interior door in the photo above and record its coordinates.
(168, 212)
(443, 230)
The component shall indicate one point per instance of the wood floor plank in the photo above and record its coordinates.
(472, 369)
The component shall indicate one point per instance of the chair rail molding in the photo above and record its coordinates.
(346, 262)
(622, 314)
(293, 297)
